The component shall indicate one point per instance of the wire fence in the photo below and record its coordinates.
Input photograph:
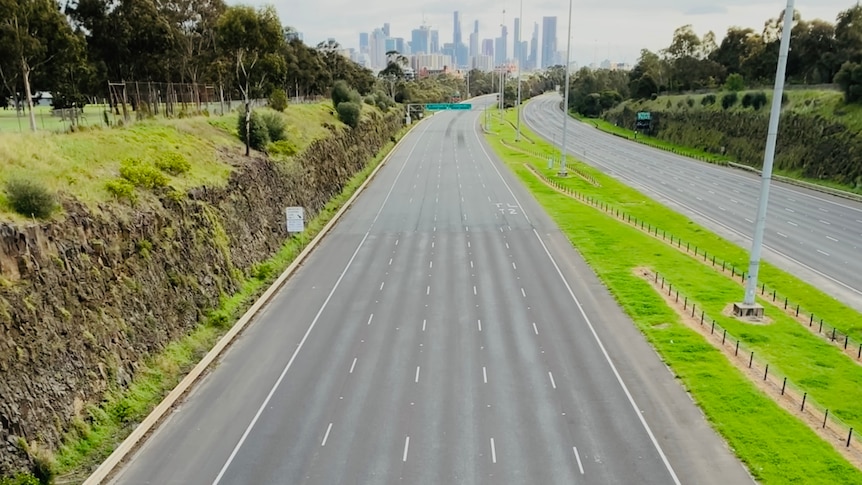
(789, 395)
(852, 347)
(534, 153)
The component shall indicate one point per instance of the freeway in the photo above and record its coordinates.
(811, 234)
(444, 332)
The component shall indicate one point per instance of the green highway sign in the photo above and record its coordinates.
(447, 106)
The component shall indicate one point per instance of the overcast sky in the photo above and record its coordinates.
(601, 29)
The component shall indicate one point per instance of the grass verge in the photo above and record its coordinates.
(776, 447)
(91, 441)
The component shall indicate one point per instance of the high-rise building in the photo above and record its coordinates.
(474, 44)
(386, 31)
(419, 40)
(363, 42)
(533, 61)
(435, 42)
(549, 41)
(488, 47)
(456, 29)
(500, 46)
(377, 49)
(516, 47)
(460, 52)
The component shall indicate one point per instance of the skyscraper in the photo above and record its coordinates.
(377, 49)
(474, 44)
(435, 42)
(456, 36)
(488, 47)
(516, 53)
(549, 41)
(533, 61)
(386, 29)
(501, 53)
(363, 42)
(459, 49)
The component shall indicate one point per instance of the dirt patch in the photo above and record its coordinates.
(783, 393)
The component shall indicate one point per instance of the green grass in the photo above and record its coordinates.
(90, 442)
(777, 447)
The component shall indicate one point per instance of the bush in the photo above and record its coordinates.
(689, 102)
(121, 189)
(729, 99)
(142, 175)
(348, 113)
(259, 133)
(369, 100)
(747, 100)
(278, 100)
(759, 100)
(708, 100)
(284, 148)
(734, 82)
(30, 198)
(653, 96)
(343, 93)
(20, 479)
(276, 127)
(173, 163)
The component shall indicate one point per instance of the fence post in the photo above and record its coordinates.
(766, 372)
(713, 261)
(785, 303)
(685, 304)
(783, 386)
(722, 266)
(833, 331)
(825, 417)
(763, 290)
(702, 314)
(736, 352)
(733, 272)
(693, 306)
(723, 337)
(797, 310)
(656, 276)
(846, 341)
(811, 320)
(773, 296)
(804, 397)
(712, 331)
(849, 435)
(859, 355)
(677, 296)
(751, 359)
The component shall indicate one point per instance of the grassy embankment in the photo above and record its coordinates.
(80, 162)
(825, 104)
(776, 447)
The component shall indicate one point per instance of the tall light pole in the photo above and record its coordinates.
(768, 158)
(520, 56)
(563, 172)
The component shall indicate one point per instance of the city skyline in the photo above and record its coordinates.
(611, 30)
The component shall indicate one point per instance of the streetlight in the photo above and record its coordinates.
(519, 55)
(562, 172)
(749, 306)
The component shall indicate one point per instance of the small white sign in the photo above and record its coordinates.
(295, 219)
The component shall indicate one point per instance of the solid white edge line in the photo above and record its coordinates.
(326, 436)
(108, 466)
(610, 362)
(578, 457)
(312, 325)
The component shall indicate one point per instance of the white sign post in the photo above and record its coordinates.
(295, 219)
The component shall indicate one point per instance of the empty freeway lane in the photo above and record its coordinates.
(444, 332)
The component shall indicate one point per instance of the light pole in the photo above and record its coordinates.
(562, 172)
(768, 158)
(520, 57)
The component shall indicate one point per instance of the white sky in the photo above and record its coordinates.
(615, 29)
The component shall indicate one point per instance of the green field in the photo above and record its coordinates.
(777, 447)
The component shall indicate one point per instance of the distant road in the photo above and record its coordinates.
(811, 234)
(445, 332)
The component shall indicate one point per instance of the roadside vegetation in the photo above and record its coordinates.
(776, 446)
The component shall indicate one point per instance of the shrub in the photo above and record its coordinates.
(285, 148)
(369, 100)
(142, 174)
(276, 127)
(689, 102)
(653, 96)
(734, 82)
(121, 189)
(729, 99)
(759, 100)
(259, 134)
(348, 113)
(278, 100)
(708, 100)
(747, 100)
(20, 479)
(173, 163)
(30, 198)
(343, 93)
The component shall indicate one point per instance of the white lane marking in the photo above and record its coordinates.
(698, 198)
(406, 447)
(471, 264)
(489, 197)
(553, 384)
(326, 436)
(370, 318)
(423, 324)
(381, 285)
(468, 244)
(535, 328)
(480, 324)
(823, 252)
(788, 209)
(523, 293)
(782, 234)
(390, 261)
(494, 166)
(734, 201)
(428, 290)
(578, 457)
(823, 210)
(485, 374)
(825, 222)
(507, 246)
(793, 223)
(474, 290)
(432, 244)
(749, 220)
(417, 374)
(493, 452)
(396, 241)
(430, 264)
(616, 373)
(353, 365)
(831, 238)
(513, 266)
(722, 208)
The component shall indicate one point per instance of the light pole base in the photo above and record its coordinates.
(753, 311)
(562, 173)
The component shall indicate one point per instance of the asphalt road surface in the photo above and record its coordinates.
(445, 332)
(811, 234)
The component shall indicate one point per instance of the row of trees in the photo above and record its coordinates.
(822, 52)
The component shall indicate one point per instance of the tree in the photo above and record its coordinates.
(850, 80)
(734, 82)
(34, 34)
(250, 37)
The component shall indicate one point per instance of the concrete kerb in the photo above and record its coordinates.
(107, 468)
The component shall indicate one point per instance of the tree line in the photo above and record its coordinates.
(821, 52)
